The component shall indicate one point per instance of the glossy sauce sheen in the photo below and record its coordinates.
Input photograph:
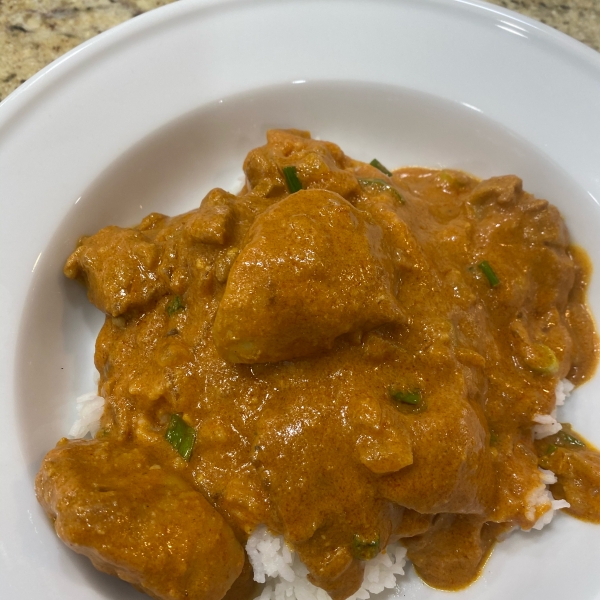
(351, 373)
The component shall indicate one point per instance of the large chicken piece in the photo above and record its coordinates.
(313, 269)
(139, 520)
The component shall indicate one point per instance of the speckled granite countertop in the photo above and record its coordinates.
(35, 32)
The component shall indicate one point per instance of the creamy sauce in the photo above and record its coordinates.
(360, 361)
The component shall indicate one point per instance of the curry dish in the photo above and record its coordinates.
(346, 355)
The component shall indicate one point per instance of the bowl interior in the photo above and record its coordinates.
(172, 169)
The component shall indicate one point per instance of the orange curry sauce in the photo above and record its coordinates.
(357, 362)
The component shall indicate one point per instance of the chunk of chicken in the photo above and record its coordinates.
(312, 270)
(451, 553)
(451, 469)
(113, 503)
(119, 268)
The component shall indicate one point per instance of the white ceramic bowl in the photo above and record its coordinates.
(153, 113)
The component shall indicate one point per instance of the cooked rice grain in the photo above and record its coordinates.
(89, 412)
(548, 424)
(284, 574)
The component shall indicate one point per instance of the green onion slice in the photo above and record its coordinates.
(181, 436)
(174, 305)
(412, 397)
(566, 439)
(364, 549)
(375, 163)
(542, 359)
(291, 176)
(381, 184)
(551, 449)
(487, 270)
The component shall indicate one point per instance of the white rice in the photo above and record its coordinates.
(547, 424)
(284, 574)
(563, 391)
(541, 496)
(89, 411)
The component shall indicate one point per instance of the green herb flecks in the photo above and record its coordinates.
(174, 306)
(412, 397)
(567, 440)
(364, 549)
(542, 359)
(181, 436)
(551, 449)
(375, 163)
(489, 273)
(381, 185)
(407, 400)
(291, 177)
(455, 180)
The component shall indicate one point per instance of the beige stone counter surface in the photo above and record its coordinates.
(35, 32)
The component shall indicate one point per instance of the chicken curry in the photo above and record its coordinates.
(345, 354)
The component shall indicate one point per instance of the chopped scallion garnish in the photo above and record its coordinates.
(174, 305)
(487, 270)
(412, 397)
(375, 163)
(374, 182)
(566, 439)
(381, 184)
(551, 449)
(291, 176)
(181, 436)
(364, 549)
(542, 359)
